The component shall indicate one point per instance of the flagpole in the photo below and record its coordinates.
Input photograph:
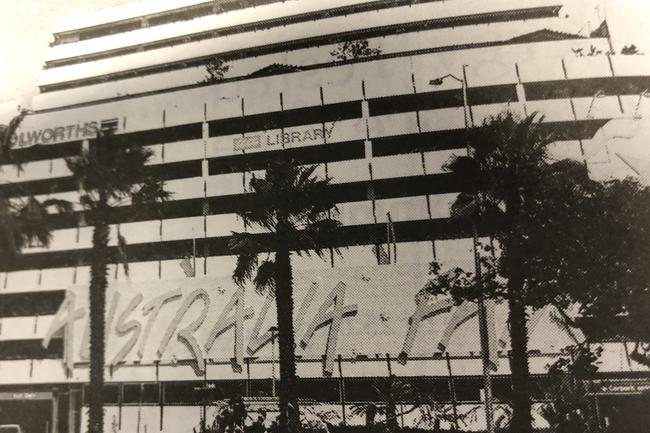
(193, 252)
(482, 319)
(388, 236)
(392, 233)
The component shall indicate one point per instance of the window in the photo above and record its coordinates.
(468, 389)
(323, 390)
(261, 388)
(136, 393)
(183, 392)
(111, 394)
(361, 390)
(433, 389)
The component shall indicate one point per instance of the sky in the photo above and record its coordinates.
(25, 32)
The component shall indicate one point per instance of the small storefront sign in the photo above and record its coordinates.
(25, 395)
(620, 386)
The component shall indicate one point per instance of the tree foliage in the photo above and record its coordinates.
(618, 302)
(545, 214)
(215, 68)
(569, 406)
(295, 207)
(297, 211)
(111, 172)
(630, 50)
(23, 220)
(543, 217)
(230, 416)
(355, 49)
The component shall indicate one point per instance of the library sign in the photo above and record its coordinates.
(347, 312)
(306, 136)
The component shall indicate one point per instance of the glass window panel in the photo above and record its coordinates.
(321, 390)
(467, 389)
(183, 392)
(362, 389)
(260, 388)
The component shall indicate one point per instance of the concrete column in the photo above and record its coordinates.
(55, 414)
(72, 411)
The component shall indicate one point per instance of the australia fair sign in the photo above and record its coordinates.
(347, 312)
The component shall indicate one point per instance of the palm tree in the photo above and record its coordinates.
(296, 209)
(110, 173)
(23, 222)
(539, 212)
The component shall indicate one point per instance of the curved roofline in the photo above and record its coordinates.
(262, 24)
(482, 18)
(135, 12)
(316, 66)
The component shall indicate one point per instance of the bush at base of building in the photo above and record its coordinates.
(570, 408)
(382, 429)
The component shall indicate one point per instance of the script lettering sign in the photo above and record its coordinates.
(350, 312)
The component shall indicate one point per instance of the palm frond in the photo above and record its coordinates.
(462, 165)
(264, 280)
(10, 240)
(61, 206)
(7, 134)
(465, 207)
(151, 191)
(246, 265)
(318, 235)
(262, 213)
(113, 165)
(32, 220)
(247, 248)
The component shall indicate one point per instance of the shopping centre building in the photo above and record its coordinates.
(381, 125)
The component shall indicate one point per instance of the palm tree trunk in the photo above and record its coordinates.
(391, 416)
(98, 283)
(289, 413)
(521, 404)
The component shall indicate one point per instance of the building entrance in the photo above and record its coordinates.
(33, 415)
(627, 413)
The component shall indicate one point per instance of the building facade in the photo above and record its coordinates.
(374, 123)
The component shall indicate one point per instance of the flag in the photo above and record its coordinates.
(382, 256)
(187, 266)
(390, 231)
(388, 254)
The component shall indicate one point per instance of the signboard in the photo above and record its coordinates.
(619, 386)
(62, 133)
(367, 311)
(36, 395)
(304, 136)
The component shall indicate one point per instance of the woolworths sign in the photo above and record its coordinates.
(63, 133)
